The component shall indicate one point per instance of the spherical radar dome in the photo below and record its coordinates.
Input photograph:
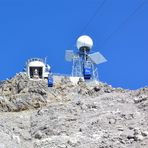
(84, 41)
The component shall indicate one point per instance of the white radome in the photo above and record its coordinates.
(84, 41)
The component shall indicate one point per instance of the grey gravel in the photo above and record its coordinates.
(86, 115)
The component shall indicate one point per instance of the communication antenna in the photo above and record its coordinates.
(84, 63)
(45, 60)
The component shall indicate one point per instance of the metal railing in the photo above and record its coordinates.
(36, 59)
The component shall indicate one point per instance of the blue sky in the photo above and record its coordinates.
(35, 28)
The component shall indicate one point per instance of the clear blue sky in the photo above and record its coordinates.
(40, 28)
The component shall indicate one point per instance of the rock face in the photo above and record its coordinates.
(86, 115)
(20, 94)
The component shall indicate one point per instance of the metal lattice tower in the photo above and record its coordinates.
(77, 66)
(84, 62)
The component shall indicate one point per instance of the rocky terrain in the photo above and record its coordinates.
(86, 115)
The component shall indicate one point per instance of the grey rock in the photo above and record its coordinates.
(38, 135)
(86, 115)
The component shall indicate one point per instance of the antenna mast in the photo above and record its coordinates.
(84, 63)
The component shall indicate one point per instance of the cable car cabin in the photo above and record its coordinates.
(50, 81)
(37, 69)
(87, 70)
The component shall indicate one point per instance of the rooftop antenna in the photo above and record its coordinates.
(45, 60)
(84, 62)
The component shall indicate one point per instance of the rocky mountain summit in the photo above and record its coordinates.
(85, 115)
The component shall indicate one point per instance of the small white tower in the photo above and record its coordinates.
(37, 68)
